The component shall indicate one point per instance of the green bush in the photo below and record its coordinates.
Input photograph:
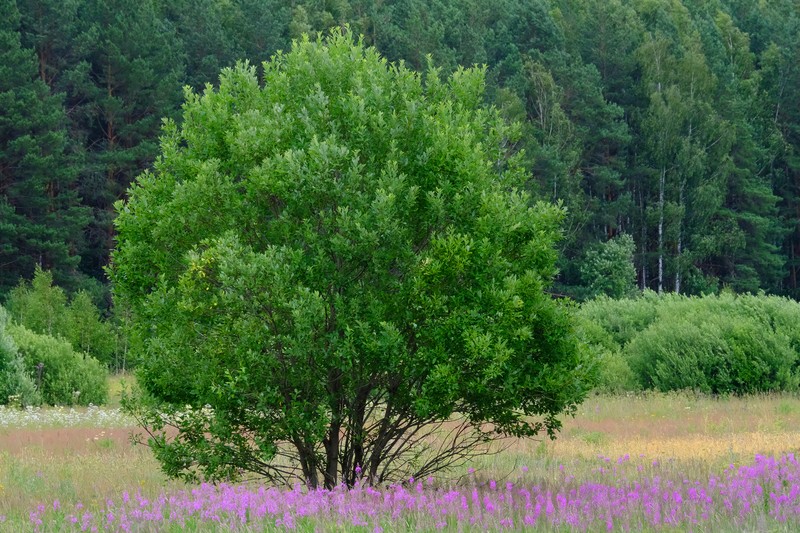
(63, 376)
(719, 355)
(623, 319)
(614, 372)
(8, 350)
(16, 385)
(724, 344)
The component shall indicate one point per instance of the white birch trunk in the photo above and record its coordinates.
(644, 241)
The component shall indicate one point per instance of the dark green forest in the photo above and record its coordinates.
(669, 129)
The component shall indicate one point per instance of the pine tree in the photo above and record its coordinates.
(49, 28)
(129, 78)
(202, 28)
(41, 221)
(774, 28)
(261, 28)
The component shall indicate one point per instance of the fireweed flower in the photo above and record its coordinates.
(740, 498)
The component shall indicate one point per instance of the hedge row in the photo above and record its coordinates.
(718, 344)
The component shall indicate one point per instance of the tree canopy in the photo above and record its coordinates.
(41, 220)
(341, 252)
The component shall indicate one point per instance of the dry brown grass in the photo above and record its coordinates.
(87, 465)
(702, 433)
(63, 442)
(682, 427)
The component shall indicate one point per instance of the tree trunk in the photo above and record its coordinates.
(644, 240)
(678, 267)
(380, 442)
(661, 184)
(332, 442)
(354, 466)
(680, 241)
(332, 454)
(307, 462)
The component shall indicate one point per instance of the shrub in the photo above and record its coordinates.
(15, 382)
(716, 354)
(64, 377)
(20, 390)
(623, 319)
(8, 349)
(714, 344)
(614, 373)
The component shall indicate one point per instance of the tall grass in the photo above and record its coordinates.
(672, 437)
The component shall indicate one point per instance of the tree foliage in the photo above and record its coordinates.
(41, 221)
(344, 258)
(44, 308)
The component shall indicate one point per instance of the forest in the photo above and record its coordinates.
(669, 129)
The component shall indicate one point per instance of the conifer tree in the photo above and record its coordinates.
(129, 79)
(41, 220)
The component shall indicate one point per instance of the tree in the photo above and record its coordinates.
(49, 28)
(39, 305)
(87, 332)
(200, 25)
(41, 221)
(128, 78)
(343, 258)
(774, 28)
(42, 307)
(608, 268)
(261, 28)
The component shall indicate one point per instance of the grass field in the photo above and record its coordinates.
(59, 465)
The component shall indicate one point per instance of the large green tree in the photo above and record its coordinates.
(343, 256)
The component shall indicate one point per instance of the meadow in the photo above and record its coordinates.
(623, 463)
